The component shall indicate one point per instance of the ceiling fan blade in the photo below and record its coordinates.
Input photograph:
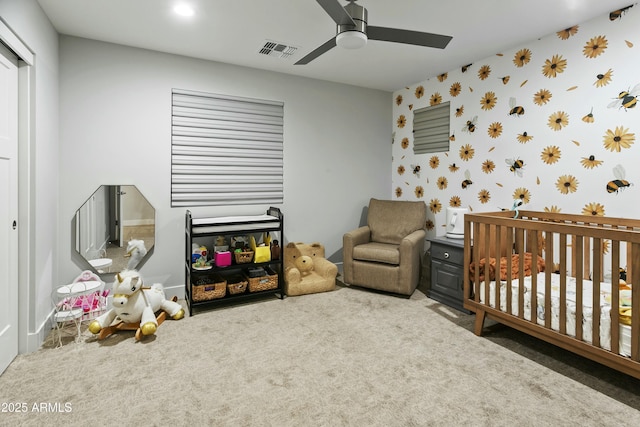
(408, 37)
(317, 52)
(336, 12)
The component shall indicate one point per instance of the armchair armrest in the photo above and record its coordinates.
(411, 252)
(409, 242)
(351, 239)
(357, 237)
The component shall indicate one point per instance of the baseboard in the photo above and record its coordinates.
(34, 340)
(174, 291)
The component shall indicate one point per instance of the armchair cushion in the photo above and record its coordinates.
(391, 220)
(378, 252)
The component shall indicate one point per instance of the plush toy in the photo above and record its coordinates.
(306, 270)
(136, 250)
(135, 303)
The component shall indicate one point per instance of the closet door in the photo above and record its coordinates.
(8, 207)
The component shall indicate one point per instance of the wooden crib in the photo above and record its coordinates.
(599, 320)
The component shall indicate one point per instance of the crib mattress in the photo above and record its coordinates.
(587, 308)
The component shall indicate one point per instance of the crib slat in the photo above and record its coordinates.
(509, 270)
(597, 250)
(487, 257)
(475, 257)
(563, 283)
(615, 297)
(498, 252)
(533, 245)
(548, 261)
(635, 302)
(578, 256)
(629, 265)
(586, 261)
(519, 235)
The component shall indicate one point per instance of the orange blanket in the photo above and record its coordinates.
(515, 265)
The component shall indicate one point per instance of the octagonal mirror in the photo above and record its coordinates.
(114, 229)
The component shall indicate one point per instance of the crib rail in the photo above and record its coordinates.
(596, 249)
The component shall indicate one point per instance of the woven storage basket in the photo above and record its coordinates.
(236, 285)
(263, 283)
(209, 287)
(243, 257)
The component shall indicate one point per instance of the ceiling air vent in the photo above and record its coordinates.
(279, 50)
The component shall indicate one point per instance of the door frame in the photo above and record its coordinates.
(27, 341)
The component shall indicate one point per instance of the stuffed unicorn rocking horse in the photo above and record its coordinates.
(135, 305)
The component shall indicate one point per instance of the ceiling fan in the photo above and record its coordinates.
(352, 31)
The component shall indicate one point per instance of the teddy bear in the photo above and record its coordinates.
(306, 270)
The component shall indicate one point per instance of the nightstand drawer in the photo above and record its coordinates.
(447, 253)
(446, 279)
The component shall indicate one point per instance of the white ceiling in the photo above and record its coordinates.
(233, 31)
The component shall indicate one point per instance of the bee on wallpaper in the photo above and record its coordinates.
(589, 117)
(470, 126)
(467, 179)
(466, 67)
(617, 14)
(515, 166)
(626, 99)
(416, 170)
(516, 110)
(619, 183)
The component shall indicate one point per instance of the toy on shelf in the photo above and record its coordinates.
(262, 251)
(275, 249)
(135, 306)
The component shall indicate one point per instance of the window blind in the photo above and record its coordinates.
(225, 150)
(431, 129)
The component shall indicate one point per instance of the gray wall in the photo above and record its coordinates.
(38, 172)
(115, 129)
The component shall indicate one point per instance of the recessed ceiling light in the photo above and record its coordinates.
(183, 9)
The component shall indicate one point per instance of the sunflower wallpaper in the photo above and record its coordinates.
(551, 125)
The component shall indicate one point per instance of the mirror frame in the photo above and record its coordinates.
(83, 262)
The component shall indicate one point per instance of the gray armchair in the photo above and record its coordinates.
(386, 253)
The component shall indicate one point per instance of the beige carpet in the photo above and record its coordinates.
(345, 358)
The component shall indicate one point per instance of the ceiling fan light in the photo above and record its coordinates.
(351, 39)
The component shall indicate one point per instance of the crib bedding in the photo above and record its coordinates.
(571, 287)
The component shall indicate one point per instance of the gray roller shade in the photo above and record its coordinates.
(225, 150)
(431, 129)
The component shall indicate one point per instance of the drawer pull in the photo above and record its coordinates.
(446, 255)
